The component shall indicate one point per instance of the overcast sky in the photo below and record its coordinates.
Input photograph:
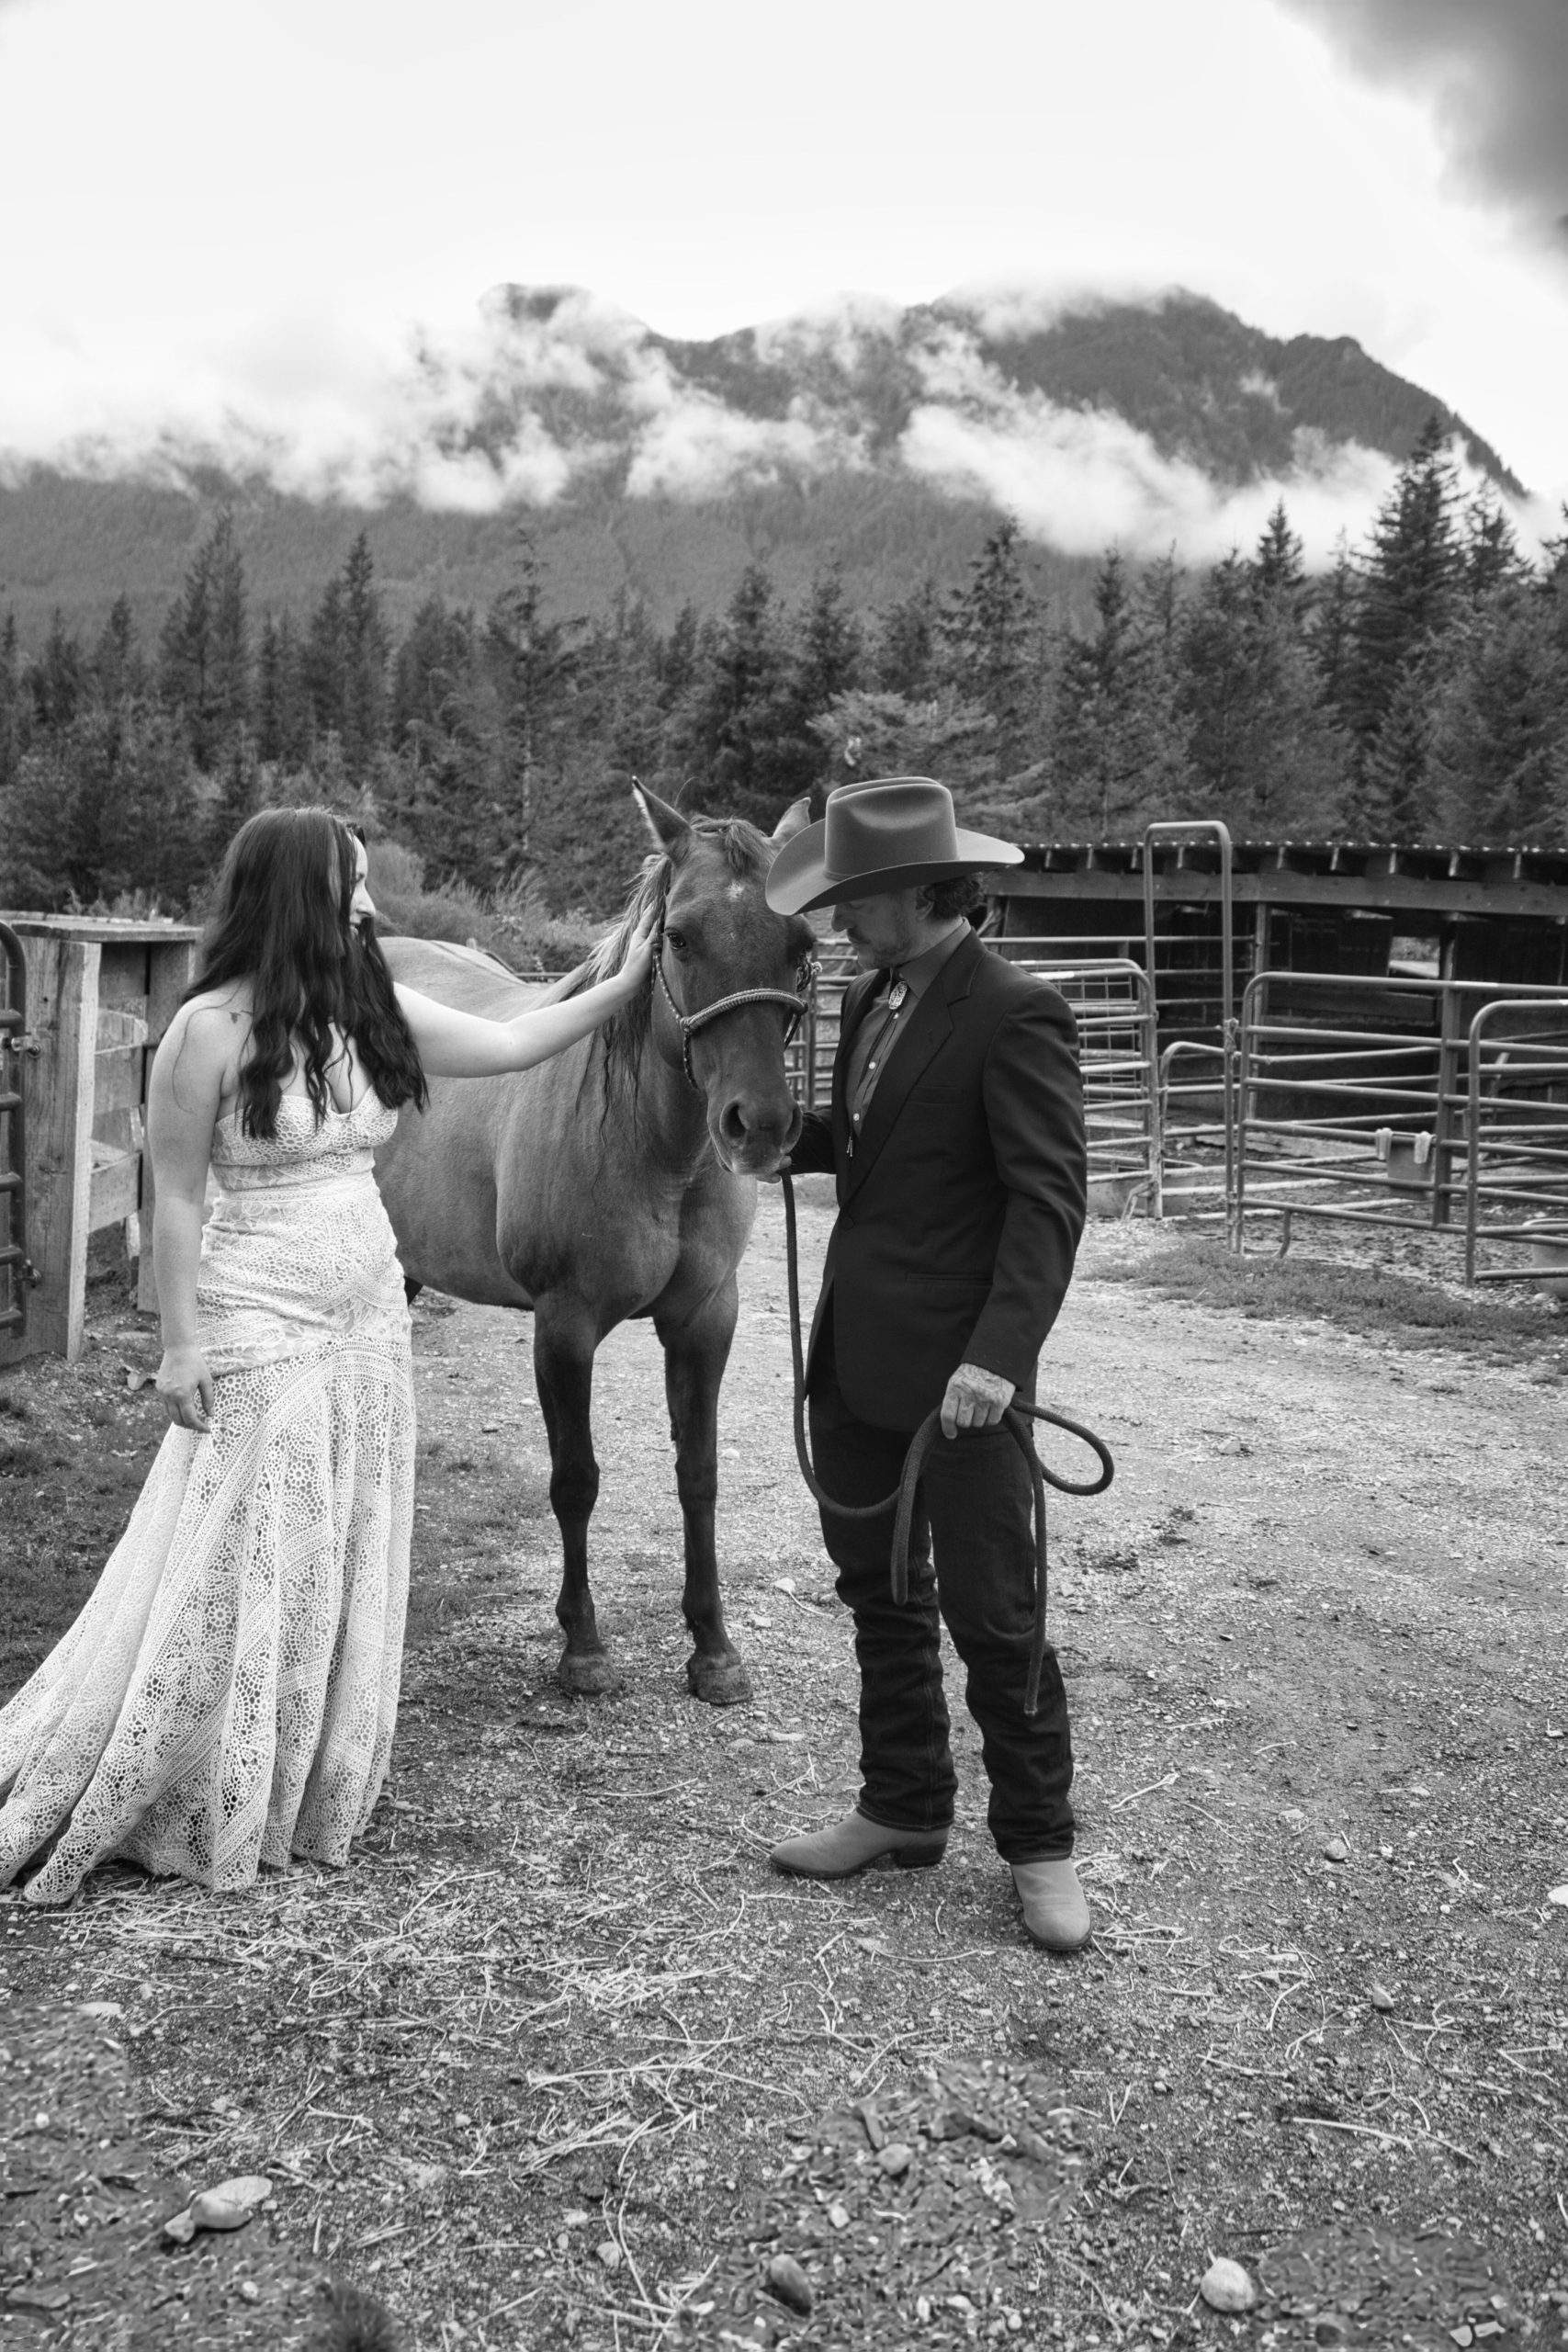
(211, 208)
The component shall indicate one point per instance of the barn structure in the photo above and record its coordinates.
(1373, 1032)
(1354, 910)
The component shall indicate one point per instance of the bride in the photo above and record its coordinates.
(226, 1697)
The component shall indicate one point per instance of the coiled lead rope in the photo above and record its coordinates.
(902, 1500)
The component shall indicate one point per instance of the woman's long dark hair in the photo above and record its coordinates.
(282, 922)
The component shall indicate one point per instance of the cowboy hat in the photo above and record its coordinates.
(887, 833)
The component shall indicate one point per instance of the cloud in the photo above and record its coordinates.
(1079, 478)
(1498, 70)
(1012, 313)
(842, 331)
(541, 387)
(696, 448)
(515, 405)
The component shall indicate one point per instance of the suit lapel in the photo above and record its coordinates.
(929, 1027)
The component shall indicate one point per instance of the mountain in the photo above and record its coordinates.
(885, 440)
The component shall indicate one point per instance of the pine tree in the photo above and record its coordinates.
(616, 706)
(1333, 631)
(1161, 601)
(269, 693)
(1301, 756)
(830, 650)
(438, 651)
(1499, 731)
(241, 792)
(57, 681)
(534, 663)
(1266, 754)
(1492, 556)
(1392, 796)
(734, 737)
(12, 704)
(1410, 588)
(904, 658)
(36, 867)
(1279, 568)
(117, 670)
(678, 660)
(1117, 750)
(283, 707)
(865, 732)
(152, 841)
(990, 641)
(323, 666)
(1222, 688)
(58, 808)
(204, 652)
(589, 837)
(363, 726)
(443, 789)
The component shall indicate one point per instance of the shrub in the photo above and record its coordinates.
(513, 923)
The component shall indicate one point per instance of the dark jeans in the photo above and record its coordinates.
(974, 1508)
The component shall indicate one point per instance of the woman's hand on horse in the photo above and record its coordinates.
(185, 1386)
(639, 959)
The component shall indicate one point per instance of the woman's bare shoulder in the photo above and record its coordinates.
(210, 1030)
(214, 1011)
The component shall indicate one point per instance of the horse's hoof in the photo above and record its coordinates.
(586, 1675)
(718, 1682)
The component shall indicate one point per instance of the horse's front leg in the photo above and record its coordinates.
(695, 1352)
(564, 1341)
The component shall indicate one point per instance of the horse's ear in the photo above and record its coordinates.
(796, 819)
(667, 825)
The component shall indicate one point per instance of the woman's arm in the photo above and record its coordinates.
(464, 1045)
(182, 1111)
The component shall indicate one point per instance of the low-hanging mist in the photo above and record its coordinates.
(1163, 423)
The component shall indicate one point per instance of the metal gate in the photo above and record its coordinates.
(1517, 1121)
(1114, 1005)
(17, 1276)
(1421, 1104)
(1191, 991)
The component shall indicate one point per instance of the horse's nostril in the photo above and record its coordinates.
(732, 1123)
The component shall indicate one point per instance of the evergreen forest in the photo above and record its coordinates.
(1417, 691)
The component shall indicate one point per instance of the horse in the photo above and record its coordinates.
(620, 1179)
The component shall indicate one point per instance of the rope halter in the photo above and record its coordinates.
(690, 1023)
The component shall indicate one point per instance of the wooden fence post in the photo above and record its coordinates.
(63, 1013)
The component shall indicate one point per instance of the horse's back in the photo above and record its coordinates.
(466, 978)
(507, 1187)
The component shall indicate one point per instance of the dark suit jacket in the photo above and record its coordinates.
(961, 1205)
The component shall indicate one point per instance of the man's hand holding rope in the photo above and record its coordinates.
(976, 1400)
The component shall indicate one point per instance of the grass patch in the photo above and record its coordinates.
(1368, 1300)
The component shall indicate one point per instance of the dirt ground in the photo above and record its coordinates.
(559, 2061)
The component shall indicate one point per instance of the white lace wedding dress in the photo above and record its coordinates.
(228, 1695)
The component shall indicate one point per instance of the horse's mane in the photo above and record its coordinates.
(746, 851)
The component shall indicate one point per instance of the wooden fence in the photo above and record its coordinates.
(100, 995)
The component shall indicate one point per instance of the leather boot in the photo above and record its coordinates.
(1056, 1910)
(854, 1844)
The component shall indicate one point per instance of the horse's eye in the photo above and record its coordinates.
(677, 940)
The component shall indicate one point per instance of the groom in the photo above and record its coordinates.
(956, 1137)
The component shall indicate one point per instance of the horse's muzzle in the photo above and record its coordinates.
(751, 1143)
